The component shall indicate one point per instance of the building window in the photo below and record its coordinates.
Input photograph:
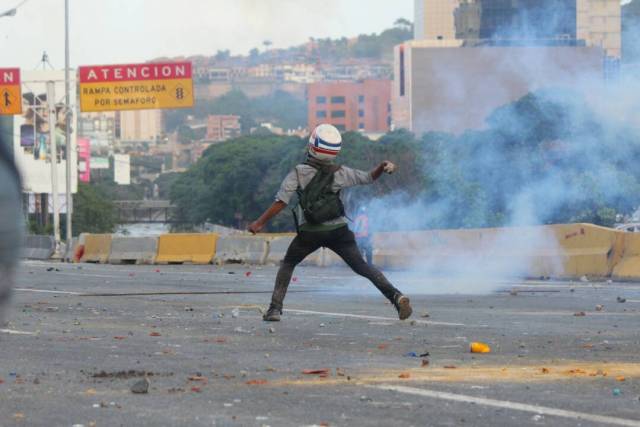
(338, 100)
(337, 114)
(321, 114)
(361, 126)
(341, 128)
(321, 99)
(360, 113)
(361, 99)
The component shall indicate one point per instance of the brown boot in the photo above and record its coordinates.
(403, 305)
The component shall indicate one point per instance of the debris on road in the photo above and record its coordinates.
(411, 354)
(479, 347)
(425, 315)
(584, 279)
(320, 372)
(404, 375)
(425, 363)
(545, 370)
(235, 313)
(599, 307)
(621, 300)
(580, 314)
(617, 392)
(140, 386)
(256, 382)
(272, 330)
(154, 334)
(248, 274)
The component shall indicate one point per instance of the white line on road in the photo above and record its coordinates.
(535, 409)
(361, 316)
(45, 291)
(14, 332)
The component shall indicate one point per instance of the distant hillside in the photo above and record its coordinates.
(631, 32)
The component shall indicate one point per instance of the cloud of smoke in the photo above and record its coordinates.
(567, 152)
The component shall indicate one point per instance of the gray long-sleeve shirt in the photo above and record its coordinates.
(344, 177)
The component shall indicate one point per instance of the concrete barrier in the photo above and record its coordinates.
(186, 247)
(133, 250)
(563, 251)
(38, 247)
(278, 245)
(243, 249)
(629, 266)
(96, 248)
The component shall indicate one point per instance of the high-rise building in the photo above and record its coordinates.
(522, 22)
(453, 89)
(140, 125)
(351, 106)
(434, 19)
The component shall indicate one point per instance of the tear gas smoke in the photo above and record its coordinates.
(564, 153)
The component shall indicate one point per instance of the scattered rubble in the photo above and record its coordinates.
(140, 386)
(621, 300)
(479, 347)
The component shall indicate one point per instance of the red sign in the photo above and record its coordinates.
(135, 72)
(84, 159)
(9, 76)
(10, 91)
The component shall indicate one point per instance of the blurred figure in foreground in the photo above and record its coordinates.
(10, 224)
(363, 234)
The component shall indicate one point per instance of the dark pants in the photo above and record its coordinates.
(343, 243)
(365, 245)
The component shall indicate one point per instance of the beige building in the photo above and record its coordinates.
(434, 20)
(453, 89)
(140, 125)
(599, 23)
(221, 127)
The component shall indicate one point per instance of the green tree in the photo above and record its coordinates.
(93, 211)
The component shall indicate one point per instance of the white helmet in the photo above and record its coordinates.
(325, 142)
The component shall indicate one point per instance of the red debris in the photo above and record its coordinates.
(196, 389)
(294, 279)
(154, 334)
(248, 273)
(256, 382)
(404, 375)
(383, 346)
(119, 338)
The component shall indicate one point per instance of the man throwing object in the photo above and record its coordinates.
(320, 217)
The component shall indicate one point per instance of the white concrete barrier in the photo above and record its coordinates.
(278, 246)
(38, 247)
(133, 250)
(242, 250)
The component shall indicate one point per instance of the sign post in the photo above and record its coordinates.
(10, 92)
(136, 86)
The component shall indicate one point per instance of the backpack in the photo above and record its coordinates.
(317, 202)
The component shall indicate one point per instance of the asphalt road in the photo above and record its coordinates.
(75, 344)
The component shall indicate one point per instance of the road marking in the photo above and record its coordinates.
(535, 409)
(45, 291)
(14, 332)
(361, 316)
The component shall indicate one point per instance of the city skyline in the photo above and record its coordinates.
(121, 31)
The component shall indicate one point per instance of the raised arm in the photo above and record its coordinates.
(385, 166)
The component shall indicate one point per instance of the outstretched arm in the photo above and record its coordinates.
(273, 210)
(385, 166)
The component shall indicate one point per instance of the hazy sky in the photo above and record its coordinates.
(120, 31)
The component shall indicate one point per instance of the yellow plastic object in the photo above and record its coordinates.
(480, 347)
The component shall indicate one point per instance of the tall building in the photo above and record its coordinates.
(434, 19)
(522, 22)
(221, 127)
(139, 125)
(351, 106)
(452, 89)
